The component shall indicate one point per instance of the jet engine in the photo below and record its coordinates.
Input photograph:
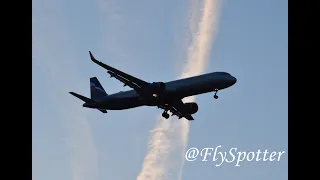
(190, 108)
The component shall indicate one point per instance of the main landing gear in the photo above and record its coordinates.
(215, 94)
(165, 114)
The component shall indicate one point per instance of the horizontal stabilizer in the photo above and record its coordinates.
(85, 99)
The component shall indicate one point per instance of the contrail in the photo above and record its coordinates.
(198, 57)
(171, 136)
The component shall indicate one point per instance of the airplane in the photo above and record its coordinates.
(167, 96)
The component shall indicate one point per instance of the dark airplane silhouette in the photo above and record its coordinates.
(167, 96)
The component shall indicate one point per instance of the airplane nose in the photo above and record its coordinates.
(233, 80)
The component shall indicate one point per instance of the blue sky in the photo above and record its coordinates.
(146, 39)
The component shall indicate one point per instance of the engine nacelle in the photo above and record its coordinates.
(158, 87)
(190, 108)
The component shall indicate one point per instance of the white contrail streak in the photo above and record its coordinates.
(198, 57)
(171, 136)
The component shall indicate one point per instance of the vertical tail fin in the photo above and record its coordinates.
(96, 90)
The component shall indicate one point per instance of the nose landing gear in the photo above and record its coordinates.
(215, 94)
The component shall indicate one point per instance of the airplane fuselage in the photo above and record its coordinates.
(174, 89)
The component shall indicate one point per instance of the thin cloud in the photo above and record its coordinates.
(171, 136)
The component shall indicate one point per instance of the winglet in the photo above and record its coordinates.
(91, 56)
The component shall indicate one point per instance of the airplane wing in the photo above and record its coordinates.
(189, 117)
(131, 81)
(126, 82)
(177, 113)
(176, 108)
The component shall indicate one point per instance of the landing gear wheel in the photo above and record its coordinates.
(165, 115)
(215, 94)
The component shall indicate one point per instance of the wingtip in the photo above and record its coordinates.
(91, 56)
